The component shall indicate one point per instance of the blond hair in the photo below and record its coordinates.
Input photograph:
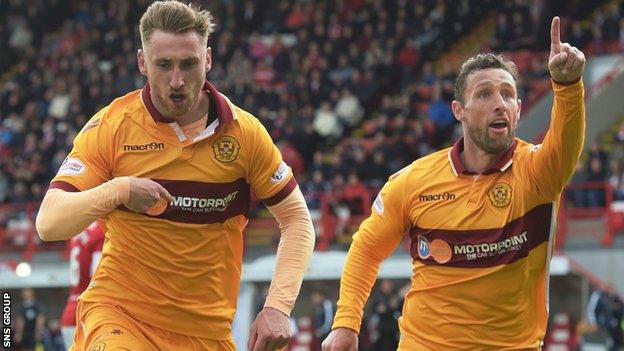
(172, 16)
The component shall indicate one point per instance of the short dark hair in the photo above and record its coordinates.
(479, 62)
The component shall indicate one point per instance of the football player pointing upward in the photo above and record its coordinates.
(481, 254)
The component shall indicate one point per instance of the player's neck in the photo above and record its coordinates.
(477, 160)
(199, 110)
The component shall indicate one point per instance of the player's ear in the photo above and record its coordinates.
(519, 108)
(208, 59)
(141, 62)
(458, 110)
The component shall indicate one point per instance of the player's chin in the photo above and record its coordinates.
(497, 145)
(177, 111)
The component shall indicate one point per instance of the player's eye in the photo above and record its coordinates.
(483, 94)
(507, 94)
(188, 64)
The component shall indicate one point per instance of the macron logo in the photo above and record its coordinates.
(144, 147)
(436, 197)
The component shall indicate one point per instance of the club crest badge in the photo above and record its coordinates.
(500, 194)
(226, 149)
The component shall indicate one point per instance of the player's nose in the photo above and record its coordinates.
(177, 79)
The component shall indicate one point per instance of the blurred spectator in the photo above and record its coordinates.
(30, 322)
(606, 310)
(355, 195)
(323, 317)
(349, 110)
(616, 178)
(596, 174)
(52, 337)
(326, 122)
(384, 317)
(579, 36)
(441, 115)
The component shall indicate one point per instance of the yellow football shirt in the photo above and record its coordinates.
(178, 270)
(480, 244)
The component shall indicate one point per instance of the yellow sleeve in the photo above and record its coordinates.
(375, 240)
(89, 163)
(552, 164)
(293, 253)
(52, 221)
(271, 179)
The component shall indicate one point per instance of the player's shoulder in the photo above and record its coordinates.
(245, 127)
(436, 159)
(421, 168)
(429, 164)
(245, 119)
(524, 148)
(523, 145)
(116, 113)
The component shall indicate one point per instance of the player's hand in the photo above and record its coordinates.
(566, 62)
(144, 194)
(341, 339)
(270, 331)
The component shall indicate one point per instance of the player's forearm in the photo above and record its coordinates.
(358, 277)
(293, 253)
(63, 214)
(567, 129)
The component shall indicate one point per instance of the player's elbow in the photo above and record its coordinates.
(43, 229)
(46, 229)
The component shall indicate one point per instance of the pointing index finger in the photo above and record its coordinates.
(555, 37)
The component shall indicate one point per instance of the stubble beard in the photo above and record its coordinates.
(177, 111)
(491, 145)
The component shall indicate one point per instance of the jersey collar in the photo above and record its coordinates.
(219, 105)
(501, 165)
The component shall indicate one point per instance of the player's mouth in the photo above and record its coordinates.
(177, 98)
(499, 126)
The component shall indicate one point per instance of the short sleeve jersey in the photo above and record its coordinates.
(85, 251)
(178, 270)
(480, 243)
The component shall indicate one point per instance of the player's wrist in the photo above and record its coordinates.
(121, 186)
(566, 82)
(283, 308)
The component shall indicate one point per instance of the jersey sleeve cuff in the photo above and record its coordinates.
(281, 306)
(352, 323)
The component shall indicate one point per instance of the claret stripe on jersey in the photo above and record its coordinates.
(481, 248)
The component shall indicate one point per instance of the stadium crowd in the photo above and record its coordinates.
(351, 90)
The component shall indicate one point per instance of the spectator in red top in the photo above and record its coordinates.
(408, 57)
(355, 195)
(297, 17)
(84, 257)
(292, 157)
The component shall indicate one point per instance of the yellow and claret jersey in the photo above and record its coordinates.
(177, 268)
(480, 243)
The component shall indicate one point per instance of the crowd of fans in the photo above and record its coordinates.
(350, 90)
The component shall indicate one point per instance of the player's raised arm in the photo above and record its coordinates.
(554, 163)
